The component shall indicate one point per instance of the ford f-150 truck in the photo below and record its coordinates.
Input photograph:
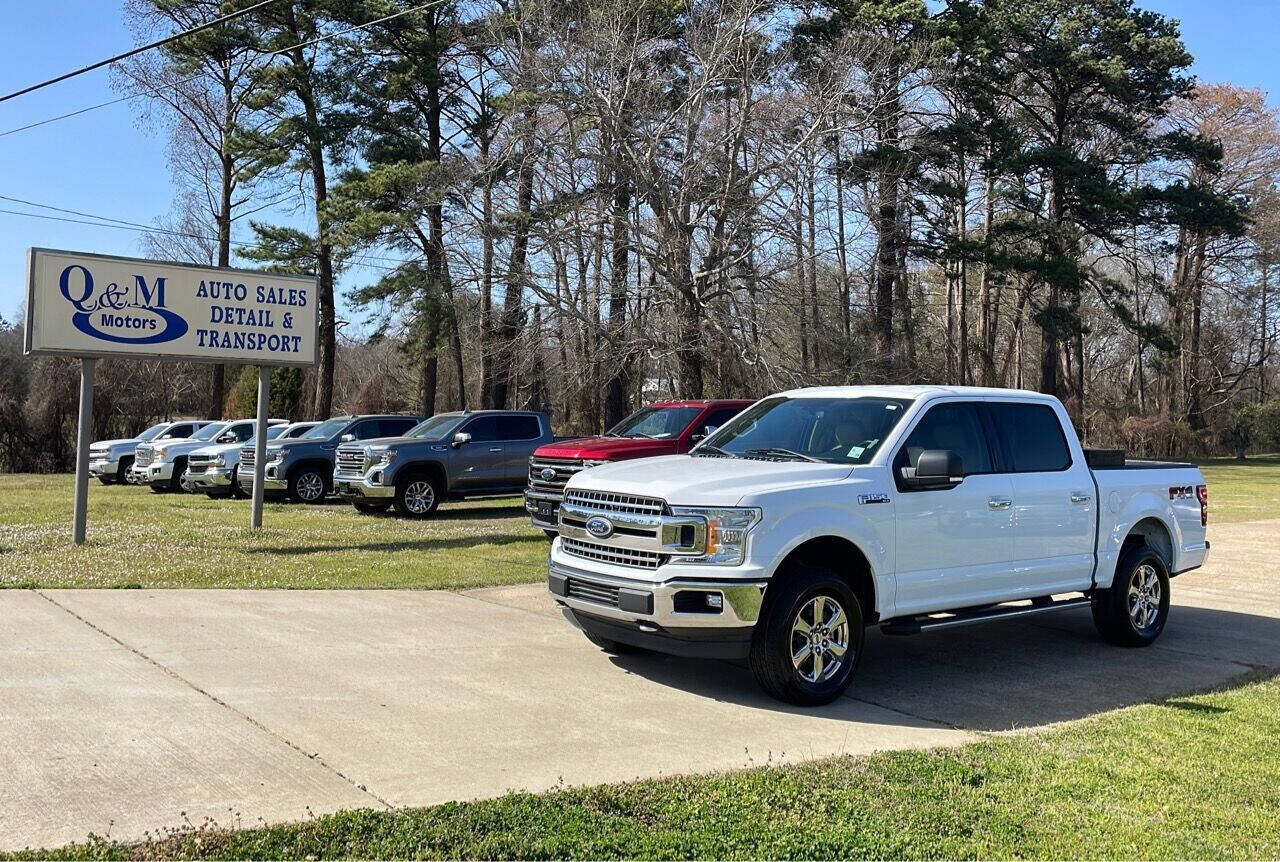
(303, 468)
(817, 512)
(662, 428)
(455, 455)
(162, 464)
(214, 469)
(112, 460)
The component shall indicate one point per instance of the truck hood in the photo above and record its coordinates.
(111, 444)
(218, 449)
(685, 480)
(607, 448)
(178, 447)
(393, 442)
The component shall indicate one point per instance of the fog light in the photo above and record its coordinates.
(715, 600)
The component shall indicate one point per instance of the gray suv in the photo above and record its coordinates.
(456, 455)
(303, 468)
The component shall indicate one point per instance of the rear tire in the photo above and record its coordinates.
(307, 485)
(807, 644)
(417, 495)
(611, 646)
(1132, 611)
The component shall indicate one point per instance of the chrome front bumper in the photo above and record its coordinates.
(355, 485)
(213, 478)
(543, 507)
(157, 472)
(653, 606)
(103, 467)
(271, 482)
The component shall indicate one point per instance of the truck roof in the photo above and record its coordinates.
(912, 392)
(703, 402)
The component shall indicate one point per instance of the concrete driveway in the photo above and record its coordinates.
(123, 711)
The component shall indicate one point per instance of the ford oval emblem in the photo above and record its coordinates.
(548, 474)
(599, 526)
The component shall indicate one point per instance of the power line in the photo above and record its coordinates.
(231, 16)
(129, 96)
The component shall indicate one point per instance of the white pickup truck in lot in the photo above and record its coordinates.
(817, 512)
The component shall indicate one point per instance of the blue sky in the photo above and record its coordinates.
(103, 162)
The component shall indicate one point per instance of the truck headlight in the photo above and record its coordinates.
(382, 457)
(220, 461)
(275, 456)
(726, 535)
(586, 464)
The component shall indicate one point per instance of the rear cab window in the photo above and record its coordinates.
(1030, 436)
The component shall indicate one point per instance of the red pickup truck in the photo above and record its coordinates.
(662, 428)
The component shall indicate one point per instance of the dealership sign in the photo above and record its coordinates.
(92, 305)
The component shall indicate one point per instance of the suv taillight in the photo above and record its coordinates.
(1202, 494)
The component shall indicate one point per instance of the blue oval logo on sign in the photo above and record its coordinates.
(599, 526)
(133, 314)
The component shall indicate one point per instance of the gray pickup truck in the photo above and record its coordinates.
(454, 455)
(303, 468)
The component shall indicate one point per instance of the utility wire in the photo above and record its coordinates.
(231, 16)
(275, 53)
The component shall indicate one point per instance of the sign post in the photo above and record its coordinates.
(92, 306)
(260, 447)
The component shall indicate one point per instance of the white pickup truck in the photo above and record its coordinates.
(817, 512)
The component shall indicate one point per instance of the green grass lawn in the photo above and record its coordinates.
(1197, 777)
(1243, 490)
(139, 538)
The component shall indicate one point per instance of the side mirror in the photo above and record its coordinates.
(347, 438)
(707, 431)
(460, 438)
(936, 469)
(227, 438)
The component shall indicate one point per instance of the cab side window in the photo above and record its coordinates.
(715, 419)
(395, 427)
(955, 427)
(1032, 437)
(483, 429)
(366, 430)
(242, 432)
(516, 428)
(178, 431)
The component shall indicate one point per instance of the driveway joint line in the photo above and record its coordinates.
(215, 699)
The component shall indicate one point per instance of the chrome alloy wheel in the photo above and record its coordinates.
(820, 639)
(1144, 596)
(310, 487)
(419, 497)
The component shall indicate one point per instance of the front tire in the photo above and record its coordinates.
(808, 642)
(123, 470)
(175, 478)
(1132, 611)
(307, 485)
(237, 493)
(417, 496)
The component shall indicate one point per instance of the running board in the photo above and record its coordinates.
(918, 624)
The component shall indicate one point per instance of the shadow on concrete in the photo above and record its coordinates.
(1010, 675)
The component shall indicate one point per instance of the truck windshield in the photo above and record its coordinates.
(153, 432)
(326, 429)
(208, 432)
(833, 430)
(658, 423)
(436, 427)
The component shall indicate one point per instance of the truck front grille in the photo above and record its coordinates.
(351, 460)
(600, 594)
(562, 467)
(197, 463)
(248, 457)
(604, 501)
(607, 554)
(142, 456)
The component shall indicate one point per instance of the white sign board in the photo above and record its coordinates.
(93, 305)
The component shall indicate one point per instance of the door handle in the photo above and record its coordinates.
(1080, 498)
(496, 449)
(999, 503)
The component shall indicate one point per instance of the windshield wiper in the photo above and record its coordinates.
(634, 434)
(712, 451)
(776, 452)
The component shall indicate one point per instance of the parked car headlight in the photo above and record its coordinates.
(726, 536)
(596, 463)
(275, 456)
(220, 461)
